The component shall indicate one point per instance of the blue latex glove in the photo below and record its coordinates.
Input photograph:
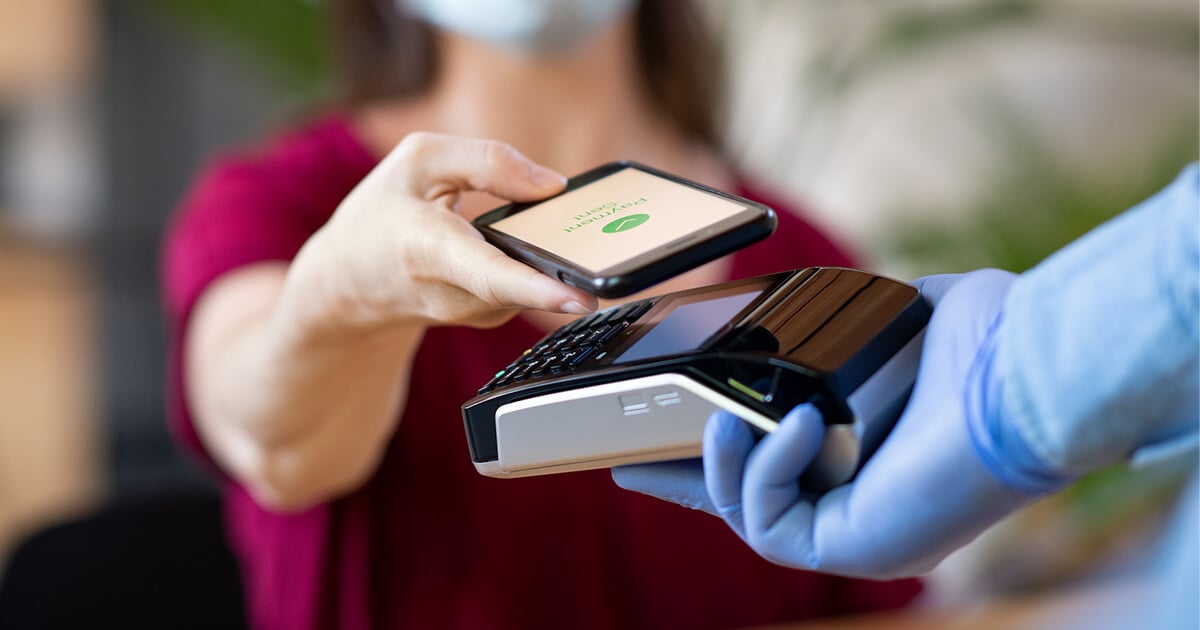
(928, 490)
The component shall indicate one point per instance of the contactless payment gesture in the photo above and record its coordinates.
(622, 227)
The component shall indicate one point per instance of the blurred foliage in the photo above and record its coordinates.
(919, 27)
(905, 31)
(287, 35)
(898, 33)
(1102, 497)
(1033, 205)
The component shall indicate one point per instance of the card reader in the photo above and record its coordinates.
(636, 383)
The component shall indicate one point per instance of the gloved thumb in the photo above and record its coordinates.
(771, 487)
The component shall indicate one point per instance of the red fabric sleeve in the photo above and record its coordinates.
(245, 208)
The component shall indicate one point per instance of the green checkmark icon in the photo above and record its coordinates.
(625, 223)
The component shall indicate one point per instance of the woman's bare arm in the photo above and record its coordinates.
(296, 373)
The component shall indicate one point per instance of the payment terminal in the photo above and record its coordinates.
(636, 383)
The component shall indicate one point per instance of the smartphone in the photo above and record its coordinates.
(623, 226)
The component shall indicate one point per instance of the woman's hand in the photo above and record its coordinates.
(396, 252)
(296, 374)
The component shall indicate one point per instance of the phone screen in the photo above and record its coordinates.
(620, 217)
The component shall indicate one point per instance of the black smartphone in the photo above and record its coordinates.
(623, 226)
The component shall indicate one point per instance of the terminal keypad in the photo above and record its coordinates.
(571, 346)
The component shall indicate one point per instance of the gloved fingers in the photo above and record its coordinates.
(782, 456)
(436, 166)
(771, 489)
(933, 288)
(727, 443)
(680, 481)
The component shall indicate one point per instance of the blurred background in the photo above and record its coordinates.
(929, 136)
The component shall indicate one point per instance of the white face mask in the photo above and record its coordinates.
(530, 26)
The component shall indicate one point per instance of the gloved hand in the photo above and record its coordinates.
(929, 489)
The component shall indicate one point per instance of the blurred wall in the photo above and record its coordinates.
(107, 109)
(49, 462)
(879, 114)
(170, 97)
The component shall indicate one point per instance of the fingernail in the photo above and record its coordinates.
(546, 178)
(575, 308)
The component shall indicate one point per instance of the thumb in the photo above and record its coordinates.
(773, 469)
(727, 443)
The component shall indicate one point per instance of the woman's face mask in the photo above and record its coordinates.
(531, 26)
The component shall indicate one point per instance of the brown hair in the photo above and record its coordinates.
(381, 54)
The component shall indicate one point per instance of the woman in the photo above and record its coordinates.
(329, 312)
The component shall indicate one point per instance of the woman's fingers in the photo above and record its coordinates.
(433, 264)
(435, 166)
(501, 282)
(432, 166)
